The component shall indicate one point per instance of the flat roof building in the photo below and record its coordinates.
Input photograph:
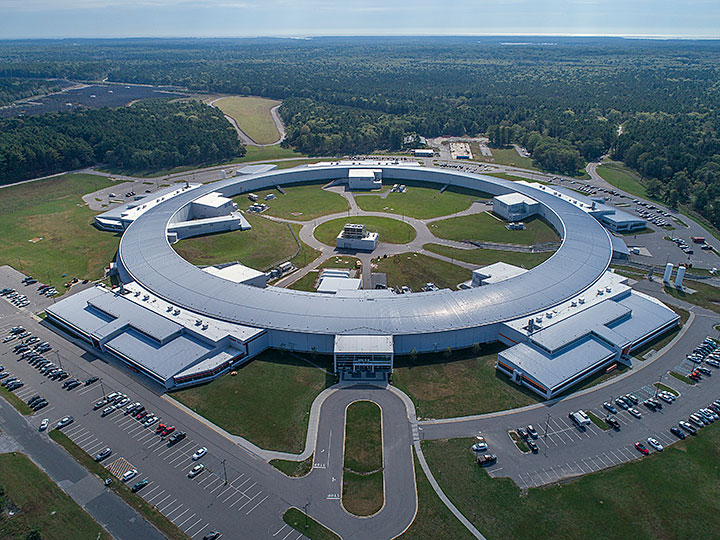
(515, 206)
(364, 179)
(355, 236)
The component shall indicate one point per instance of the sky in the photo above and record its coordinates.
(21, 19)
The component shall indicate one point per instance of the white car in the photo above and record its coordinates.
(44, 424)
(197, 469)
(635, 412)
(655, 444)
(129, 475)
(479, 446)
(200, 453)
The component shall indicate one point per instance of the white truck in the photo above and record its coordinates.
(580, 418)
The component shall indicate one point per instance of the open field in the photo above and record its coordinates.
(645, 499)
(266, 244)
(363, 492)
(340, 261)
(486, 227)
(255, 153)
(148, 511)
(40, 505)
(514, 178)
(392, 231)
(463, 383)
(47, 232)
(275, 387)
(433, 520)
(421, 202)
(414, 270)
(300, 202)
(490, 256)
(303, 523)
(615, 173)
(504, 156)
(306, 283)
(252, 114)
(705, 295)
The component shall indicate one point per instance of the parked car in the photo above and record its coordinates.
(139, 485)
(610, 407)
(212, 535)
(197, 469)
(687, 427)
(176, 437)
(129, 475)
(642, 448)
(655, 444)
(103, 454)
(108, 410)
(533, 446)
(44, 424)
(532, 431)
(91, 380)
(486, 459)
(65, 421)
(523, 433)
(677, 432)
(200, 452)
(612, 422)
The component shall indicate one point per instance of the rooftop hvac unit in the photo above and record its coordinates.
(198, 322)
(608, 289)
(146, 297)
(176, 312)
(137, 293)
(581, 300)
(205, 326)
(549, 314)
(538, 319)
(600, 292)
(573, 303)
(169, 309)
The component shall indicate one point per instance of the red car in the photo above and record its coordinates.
(168, 430)
(141, 414)
(641, 447)
(160, 427)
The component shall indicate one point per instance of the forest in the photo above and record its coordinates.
(563, 99)
(150, 135)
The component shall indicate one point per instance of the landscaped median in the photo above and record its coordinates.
(294, 469)
(149, 512)
(15, 401)
(303, 523)
(363, 492)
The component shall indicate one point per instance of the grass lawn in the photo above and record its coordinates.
(705, 295)
(261, 153)
(464, 383)
(615, 173)
(485, 227)
(421, 202)
(433, 520)
(599, 422)
(340, 261)
(306, 283)
(150, 512)
(636, 500)
(392, 231)
(363, 492)
(252, 114)
(266, 244)
(296, 469)
(47, 232)
(415, 270)
(490, 256)
(40, 504)
(303, 523)
(666, 388)
(683, 378)
(275, 387)
(303, 202)
(504, 156)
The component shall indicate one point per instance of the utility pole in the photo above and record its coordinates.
(102, 387)
(547, 423)
(225, 471)
(57, 354)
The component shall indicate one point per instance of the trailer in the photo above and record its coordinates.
(580, 418)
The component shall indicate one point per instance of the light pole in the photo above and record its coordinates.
(547, 423)
(102, 387)
(57, 354)
(224, 471)
(306, 514)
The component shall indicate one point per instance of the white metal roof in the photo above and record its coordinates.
(347, 344)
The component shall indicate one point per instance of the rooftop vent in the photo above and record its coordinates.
(176, 312)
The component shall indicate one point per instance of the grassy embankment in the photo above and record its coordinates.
(39, 504)
(415, 270)
(252, 115)
(392, 231)
(266, 244)
(303, 523)
(148, 511)
(421, 202)
(635, 500)
(277, 387)
(483, 257)
(48, 232)
(487, 228)
(363, 488)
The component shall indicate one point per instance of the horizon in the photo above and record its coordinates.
(128, 19)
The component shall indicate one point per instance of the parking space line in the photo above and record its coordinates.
(200, 530)
(188, 519)
(162, 508)
(238, 499)
(187, 531)
(258, 504)
(218, 487)
(146, 493)
(248, 501)
(180, 515)
(178, 507)
(156, 496)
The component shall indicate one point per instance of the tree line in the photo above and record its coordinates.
(153, 134)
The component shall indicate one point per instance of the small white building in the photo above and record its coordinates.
(239, 273)
(494, 273)
(515, 206)
(212, 205)
(364, 179)
(334, 284)
(355, 237)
